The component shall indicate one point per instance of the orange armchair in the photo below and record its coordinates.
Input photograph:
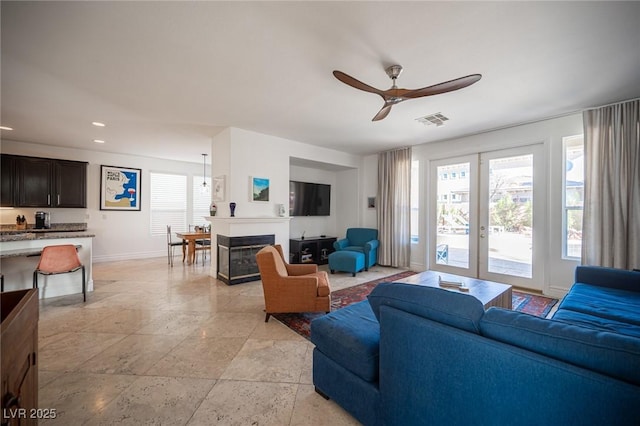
(291, 288)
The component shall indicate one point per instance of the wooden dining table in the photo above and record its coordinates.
(191, 238)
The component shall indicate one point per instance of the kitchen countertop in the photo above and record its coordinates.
(55, 227)
(29, 235)
(25, 252)
(58, 230)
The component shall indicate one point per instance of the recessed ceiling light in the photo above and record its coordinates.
(6, 128)
(98, 141)
(98, 124)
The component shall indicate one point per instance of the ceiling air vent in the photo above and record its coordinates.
(436, 119)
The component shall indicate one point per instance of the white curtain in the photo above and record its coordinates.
(394, 208)
(611, 222)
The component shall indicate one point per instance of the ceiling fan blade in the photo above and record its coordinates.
(347, 79)
(383, 112)
(447, 86)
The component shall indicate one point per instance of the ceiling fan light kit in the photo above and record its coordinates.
(395, 95)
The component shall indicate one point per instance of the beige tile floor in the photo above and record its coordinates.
(173, 346)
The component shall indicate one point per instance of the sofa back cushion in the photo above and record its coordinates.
(609, 277)
(448, 307)
(611, 354)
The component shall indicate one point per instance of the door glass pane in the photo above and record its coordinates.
(511, 216)
(452, 241)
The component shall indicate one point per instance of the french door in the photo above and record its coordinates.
(487, 216)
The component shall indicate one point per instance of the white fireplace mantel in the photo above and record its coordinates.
(239, 220)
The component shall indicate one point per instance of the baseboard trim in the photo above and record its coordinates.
(131, 256)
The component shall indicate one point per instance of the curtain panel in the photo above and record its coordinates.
(611, 221)
(394, 208)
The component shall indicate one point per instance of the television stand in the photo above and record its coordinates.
(311, 250)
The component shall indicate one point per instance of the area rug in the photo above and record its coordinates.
(533, 304)
(301, 322)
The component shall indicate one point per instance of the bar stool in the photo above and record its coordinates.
(60, 259)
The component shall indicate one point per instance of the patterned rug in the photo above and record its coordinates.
(301, 322)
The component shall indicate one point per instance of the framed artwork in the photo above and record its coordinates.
(218, 188)
(259, 189)
(119, 188)
(371, 202)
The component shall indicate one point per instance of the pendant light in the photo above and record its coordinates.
(205, 187)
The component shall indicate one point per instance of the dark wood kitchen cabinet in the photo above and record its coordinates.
(8, 181)
(33, 178)
(70, 184)
(44, 182)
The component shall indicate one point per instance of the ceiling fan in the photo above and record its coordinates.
(395, 95)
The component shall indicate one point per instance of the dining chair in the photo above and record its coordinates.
(171, 245)
(203, 245)
(60, 259)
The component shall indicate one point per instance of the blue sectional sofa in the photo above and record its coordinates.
(414, 355)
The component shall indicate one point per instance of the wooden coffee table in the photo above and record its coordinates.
(488, 292)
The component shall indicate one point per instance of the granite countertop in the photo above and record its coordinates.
(29, 234)
(28, 252)
(57, 231)
(55, 227)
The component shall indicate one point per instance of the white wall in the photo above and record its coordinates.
(369, 179)
(120, 235)
(558, 272)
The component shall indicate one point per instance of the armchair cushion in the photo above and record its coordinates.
(323, 283)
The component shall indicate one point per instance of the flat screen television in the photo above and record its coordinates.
(309, 199)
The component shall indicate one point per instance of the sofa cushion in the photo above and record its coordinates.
(445, 306)
(350, 337)
(607, 353)
(603, 302)
(599, 323)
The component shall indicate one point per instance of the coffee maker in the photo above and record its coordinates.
(43, 220)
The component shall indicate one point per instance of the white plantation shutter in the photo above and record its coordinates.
(168, 203)
(201, 201)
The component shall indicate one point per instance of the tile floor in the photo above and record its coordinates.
(173, 346)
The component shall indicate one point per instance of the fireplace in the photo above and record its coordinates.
(237, 257)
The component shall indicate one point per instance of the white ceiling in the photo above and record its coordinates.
(167, 76)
